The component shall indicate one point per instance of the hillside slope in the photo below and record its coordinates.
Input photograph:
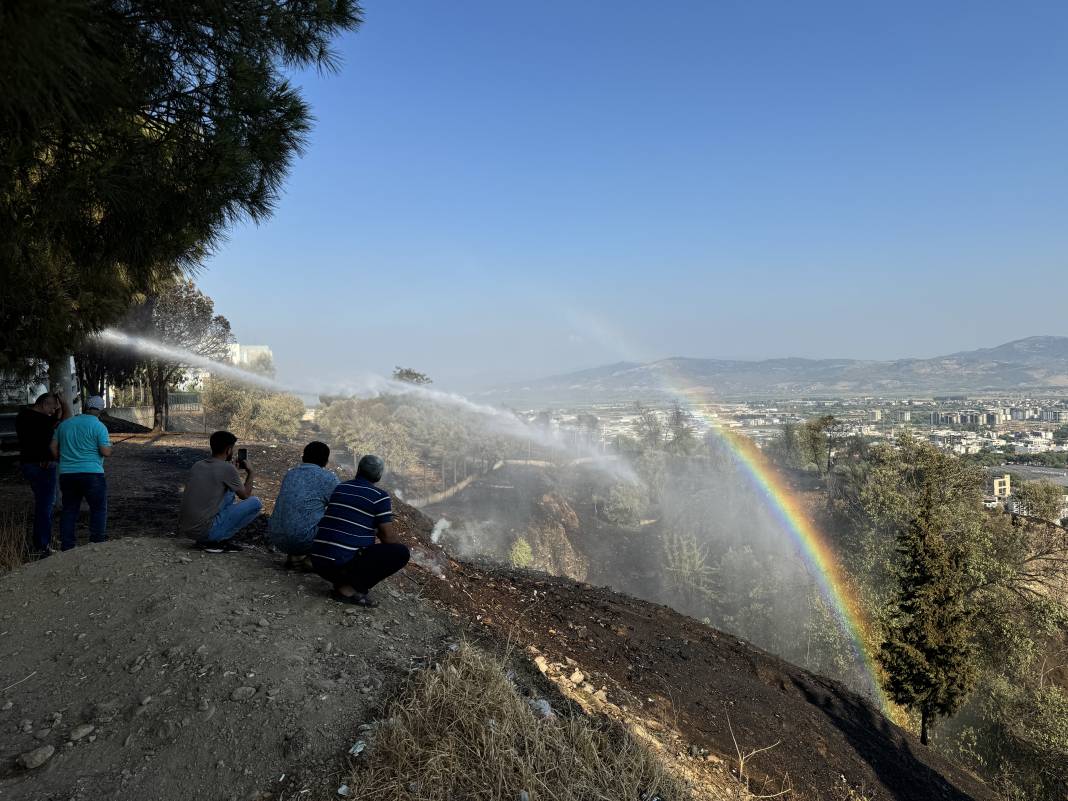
(147, 641)
(1025, 364)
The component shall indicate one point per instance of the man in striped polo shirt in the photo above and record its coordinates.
(344, 551)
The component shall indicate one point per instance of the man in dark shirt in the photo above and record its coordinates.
(35, 426)
(344, 551)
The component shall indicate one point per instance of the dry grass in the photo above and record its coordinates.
(14, 530)
(461, 731)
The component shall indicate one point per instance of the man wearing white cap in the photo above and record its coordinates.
(80, 444)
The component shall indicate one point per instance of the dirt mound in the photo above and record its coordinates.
(116, 425)
(147, 670)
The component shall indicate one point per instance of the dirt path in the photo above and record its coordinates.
(192, 676)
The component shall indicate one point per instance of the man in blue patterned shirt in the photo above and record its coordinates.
(302, 500)
(344, 551)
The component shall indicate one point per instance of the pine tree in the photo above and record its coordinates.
(132, 135)
(927, 653)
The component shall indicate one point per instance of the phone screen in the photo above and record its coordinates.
(242, 455)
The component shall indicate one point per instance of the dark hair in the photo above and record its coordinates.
(371, 468)
(42, 398)
(317, 453)
(220, 441)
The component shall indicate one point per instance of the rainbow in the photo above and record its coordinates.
(812, 545)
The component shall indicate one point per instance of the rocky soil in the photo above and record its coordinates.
(148, 670)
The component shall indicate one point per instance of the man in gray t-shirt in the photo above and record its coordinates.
(208, 513)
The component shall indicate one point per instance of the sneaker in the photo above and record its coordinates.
(230, 545)
(209, 547)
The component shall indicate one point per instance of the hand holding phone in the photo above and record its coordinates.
(242, 458)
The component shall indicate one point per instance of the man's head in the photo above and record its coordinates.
(371, 468)
(222, 445)
(46, 404)
(317, 453)
(95, 405)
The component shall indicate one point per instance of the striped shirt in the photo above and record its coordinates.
(355, 511)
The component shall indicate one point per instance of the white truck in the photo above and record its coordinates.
(16, 392)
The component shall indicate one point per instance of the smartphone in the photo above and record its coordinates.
(242, 455)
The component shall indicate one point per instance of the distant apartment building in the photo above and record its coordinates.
(1001, 486)
(875, 415)
(903, 415)
(1055, 416)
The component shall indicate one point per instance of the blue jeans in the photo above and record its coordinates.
(292, 543)
(43, 483)
(93, 487)
(232, 517)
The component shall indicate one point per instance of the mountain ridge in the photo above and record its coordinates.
(1023, 365)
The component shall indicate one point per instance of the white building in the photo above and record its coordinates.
(248, 355)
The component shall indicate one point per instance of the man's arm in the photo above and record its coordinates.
(64, 406)
(386, 532)
(54, 447)
(245, 491)
(103, 442)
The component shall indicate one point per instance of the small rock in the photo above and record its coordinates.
(26, 725)
(542, 708)
(695, 751)
(146, 700)
(242, 693)
(343, 791)
(36, 757)
(42, 734)
(601, 696)
(8, 705)
(541, 663)
(81, 731)
(262, 623)
(577, 677)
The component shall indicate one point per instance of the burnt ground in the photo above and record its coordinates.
(82, 620)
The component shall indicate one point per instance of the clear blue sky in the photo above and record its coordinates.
(506, 190)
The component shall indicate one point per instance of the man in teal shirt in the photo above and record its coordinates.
(80, 444)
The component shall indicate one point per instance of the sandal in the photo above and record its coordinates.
(358, 599)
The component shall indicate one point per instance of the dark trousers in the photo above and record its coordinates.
(370, 565)
(93, 488)
(43, 483)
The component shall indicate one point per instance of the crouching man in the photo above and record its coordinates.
(301, 503)
(208, 514)
(344, 551)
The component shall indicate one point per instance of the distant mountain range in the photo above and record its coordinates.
(1035, 363)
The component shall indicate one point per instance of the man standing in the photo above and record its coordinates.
(344, 551)
(208, 513)
(35, 426)
(81, 443)
(301, 502)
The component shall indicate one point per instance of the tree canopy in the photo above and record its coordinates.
(132, 133)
